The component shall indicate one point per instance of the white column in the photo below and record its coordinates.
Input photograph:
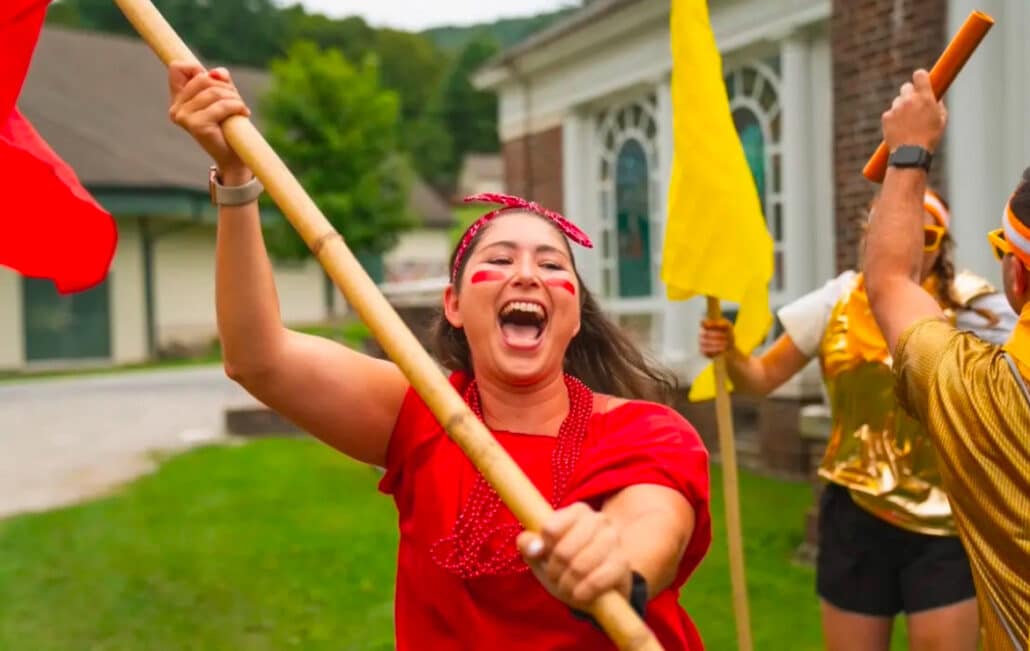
(126, 297)
(798, 218)
(820, 147)
(980, 168)
(679, 319)
(579, 197)
(12, 326)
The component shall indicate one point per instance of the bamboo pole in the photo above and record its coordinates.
(611, 610)
(728, 454)
(943, 73)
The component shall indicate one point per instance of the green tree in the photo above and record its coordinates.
(227, 31)
(470, 115)
(413, 66)
(63, 13)
(336, 128)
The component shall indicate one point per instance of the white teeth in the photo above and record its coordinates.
(523, 306)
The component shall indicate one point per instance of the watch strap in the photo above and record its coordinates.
(637, 599)
(911, 157)
(233, 195)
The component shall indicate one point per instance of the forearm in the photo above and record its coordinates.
(748, 373)
(247, 305)
(894, 245)
(654, 542)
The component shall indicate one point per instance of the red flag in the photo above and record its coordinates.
(50, 227)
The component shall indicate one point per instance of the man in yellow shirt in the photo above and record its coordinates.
(971, 396)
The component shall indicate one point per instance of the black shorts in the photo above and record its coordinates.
(868, 566)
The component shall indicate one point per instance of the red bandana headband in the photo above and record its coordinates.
(507, 203)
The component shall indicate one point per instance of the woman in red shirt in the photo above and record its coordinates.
(561, 388)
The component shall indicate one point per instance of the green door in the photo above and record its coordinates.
(77, 326)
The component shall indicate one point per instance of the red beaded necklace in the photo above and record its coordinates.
(478, 545)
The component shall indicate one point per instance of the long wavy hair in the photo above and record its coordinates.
(601, 355)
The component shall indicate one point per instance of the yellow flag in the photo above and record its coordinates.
(716, 242)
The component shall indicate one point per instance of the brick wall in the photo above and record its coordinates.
(876, 45)
(533, 167)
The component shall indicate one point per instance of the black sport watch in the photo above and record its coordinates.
(911, 156)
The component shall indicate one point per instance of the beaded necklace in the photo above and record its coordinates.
(478, 545)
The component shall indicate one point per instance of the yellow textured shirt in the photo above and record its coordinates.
(973, 405)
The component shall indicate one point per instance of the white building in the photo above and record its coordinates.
(101, 102)
(585, 121)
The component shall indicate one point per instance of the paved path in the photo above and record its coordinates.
(68, 439)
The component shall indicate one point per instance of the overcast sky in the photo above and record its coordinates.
(419, 14)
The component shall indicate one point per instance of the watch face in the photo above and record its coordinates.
(906, 156)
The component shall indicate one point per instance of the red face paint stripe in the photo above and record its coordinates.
(564, 284)
(486, 277)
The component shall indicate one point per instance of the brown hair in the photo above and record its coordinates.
(601, 354)
(1020, 201)
(944, 271)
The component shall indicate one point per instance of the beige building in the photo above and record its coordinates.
(106, 115)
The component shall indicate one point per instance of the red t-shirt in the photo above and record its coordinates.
(430, 478)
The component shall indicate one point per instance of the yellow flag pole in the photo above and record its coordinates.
(611, 610)
(728, 453)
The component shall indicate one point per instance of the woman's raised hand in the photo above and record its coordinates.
(200, 101)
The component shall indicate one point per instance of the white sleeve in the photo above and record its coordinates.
(996, 304)
(805, 319)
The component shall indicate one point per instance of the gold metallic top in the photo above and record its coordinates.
(972, 398)
(875, 449)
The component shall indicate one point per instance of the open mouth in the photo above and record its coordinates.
(522, 323)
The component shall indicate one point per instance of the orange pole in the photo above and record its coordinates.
(943, 73)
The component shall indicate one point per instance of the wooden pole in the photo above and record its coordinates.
(611, 610)
(728, 453)
(943, 73)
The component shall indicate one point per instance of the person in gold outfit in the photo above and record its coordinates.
(970, 395)
(887, 539)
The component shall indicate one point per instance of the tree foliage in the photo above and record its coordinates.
(442, 116)
(336, 128)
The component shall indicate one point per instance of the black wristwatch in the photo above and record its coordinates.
(637, 599)
(911, 156)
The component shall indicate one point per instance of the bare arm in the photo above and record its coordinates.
(655, 525)
(581, 553)
(894, 246)
(750, 374)
(347, 399)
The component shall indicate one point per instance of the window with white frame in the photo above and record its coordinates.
(754, 94)
(629, 202)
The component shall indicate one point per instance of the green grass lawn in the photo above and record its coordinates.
(285, 544)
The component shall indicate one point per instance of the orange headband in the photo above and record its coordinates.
(1017, 234)
(933, 205)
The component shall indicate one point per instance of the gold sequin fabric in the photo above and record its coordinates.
(875, 449)
(970, 396)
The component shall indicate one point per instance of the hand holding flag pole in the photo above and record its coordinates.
(716, 243)
(611, 610)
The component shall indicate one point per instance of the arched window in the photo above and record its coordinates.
(754, 94)
(628, 198)
(632, 211)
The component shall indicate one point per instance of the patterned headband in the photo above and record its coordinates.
(508, 203)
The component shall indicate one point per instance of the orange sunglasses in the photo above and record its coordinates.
(999, 245)
(932, 237)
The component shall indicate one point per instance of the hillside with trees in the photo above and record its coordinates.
(442, 117)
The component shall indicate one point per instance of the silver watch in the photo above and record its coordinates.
(238, 195)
